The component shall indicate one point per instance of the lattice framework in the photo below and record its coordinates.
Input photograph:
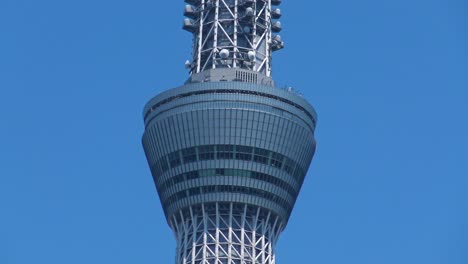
(232, 34)
(226, 233)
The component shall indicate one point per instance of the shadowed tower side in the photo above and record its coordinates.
(228, 150)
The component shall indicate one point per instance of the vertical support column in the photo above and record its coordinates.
(264, 236)
(217, 233)
(270, 252)
(215, 37)
(254, 236)
(254, 35)
(244, 215)
(194, 235)
(236, 25)
(230, 245)
(205, 233)
(200, 35)
(268, 38)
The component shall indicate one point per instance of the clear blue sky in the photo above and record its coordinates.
(388, 78)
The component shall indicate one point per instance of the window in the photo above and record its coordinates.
(229, 188)
(276, 160)
(194, 191)
(191, 175)
(209, 189)
(244, 153)
(206, 152)
(207, 173)
(261, 155)
(212, 152)
(174, 159)
(189, 155)
(225, 151)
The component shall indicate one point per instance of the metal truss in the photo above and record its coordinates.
(232, 34)
(226, 233)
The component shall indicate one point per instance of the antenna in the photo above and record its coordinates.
(233, 34)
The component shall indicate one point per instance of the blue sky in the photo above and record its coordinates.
(389, 80)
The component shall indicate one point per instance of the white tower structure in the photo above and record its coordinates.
(233, 34)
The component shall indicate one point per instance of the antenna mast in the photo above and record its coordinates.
(233, 34)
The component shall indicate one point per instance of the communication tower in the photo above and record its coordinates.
(228, 150)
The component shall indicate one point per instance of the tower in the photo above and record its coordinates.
(228, 150)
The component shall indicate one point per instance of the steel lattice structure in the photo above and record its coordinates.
(226, 233)
(228, 150)
(233, 34)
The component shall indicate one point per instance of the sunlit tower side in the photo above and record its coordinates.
(228, 150)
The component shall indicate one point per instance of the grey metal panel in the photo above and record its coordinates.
(190, 88)
(283, 124)
(234, 197)
(241, 165)
(228, 180)
(282, 141)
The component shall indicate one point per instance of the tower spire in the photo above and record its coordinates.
(233, 34)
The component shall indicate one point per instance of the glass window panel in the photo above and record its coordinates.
(244, 149)
(260, 159)
(243, 156)
(174, 159)
(189, 155)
